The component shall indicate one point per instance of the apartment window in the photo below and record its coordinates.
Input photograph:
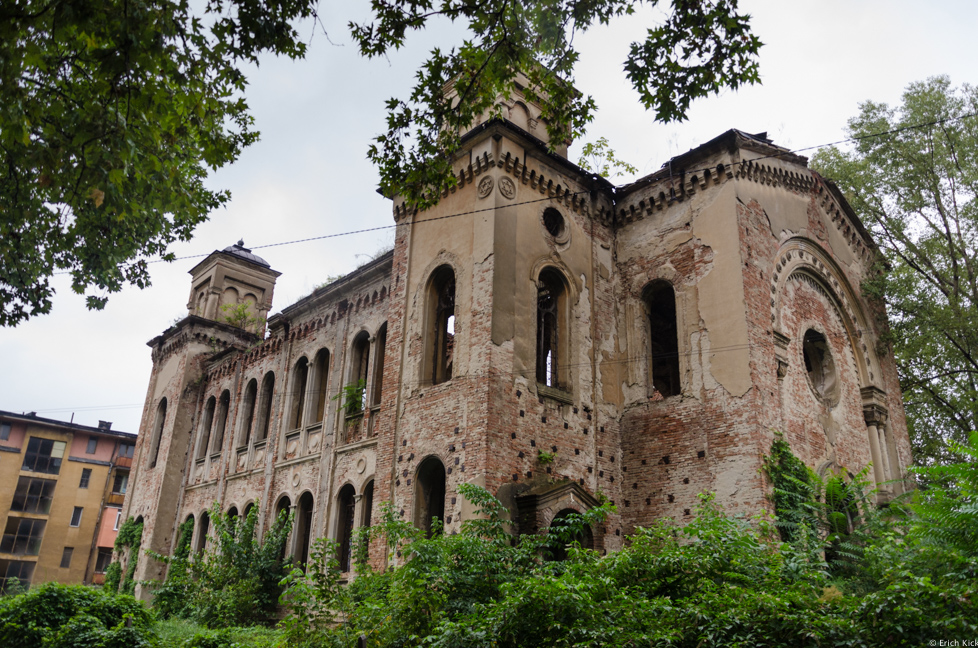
(118, 520)
(103, 560)
(86, 476)
(44, 456)
(15, 570)
(76, 516)
(4, 431)
(66, 557)
(22, 536)
(33, 495)
(126, 450)
(92, 445)
(120, 482)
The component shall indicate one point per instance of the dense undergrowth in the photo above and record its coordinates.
(832, 569)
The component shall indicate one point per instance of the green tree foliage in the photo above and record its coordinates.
(699, 49)
(114, 111)
(916, 186)
(128, 540)
(598, 157)
(74, 616)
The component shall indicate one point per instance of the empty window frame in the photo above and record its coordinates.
(66, 557)
(33, 495)
(205, 525)
(248, 409)
(76, 516)
(320, 383)
(378, 384)
(265, 407)
(303, 528)
(86, 477)
(92, 445)
(429, 494)
(358, 372)
(207, 425)
(44, 456)
(223, 405)
(159, 423)
(346, 510)
(19, 571)
(440, 334)
(300, 379)
(22, 536)
(567, 533)
(660, 304)
(553, 336)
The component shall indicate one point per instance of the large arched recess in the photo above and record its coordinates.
(801, 256)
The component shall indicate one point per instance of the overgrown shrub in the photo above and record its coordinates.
(74, 616)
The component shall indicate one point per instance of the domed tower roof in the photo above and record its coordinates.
(240, 251)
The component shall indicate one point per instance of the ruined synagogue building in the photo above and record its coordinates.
(544, 334)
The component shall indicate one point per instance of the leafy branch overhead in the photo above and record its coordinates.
(115, 111)
(702, 47)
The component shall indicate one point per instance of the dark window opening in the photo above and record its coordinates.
(92, 445)
(205, 435)
(35, 495)
(358, 376)
(551, 293)
(86, 477)
(205, 525)
(222, 421)
(440, 353)
(660, 300)
(265, 406)
(154, 451)
(66, 557)
(300, 377)
(568, 530)
(429, 495)
(819, 365)
(103, 560)
(378, 384)
(321, 376)
(554, 222)
(18, 571)
(76, 516)
(344, 536)
(120, 482)
(303, 529)
(22, 537)
(250, 400)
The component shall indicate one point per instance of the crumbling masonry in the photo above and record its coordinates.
(541, 333)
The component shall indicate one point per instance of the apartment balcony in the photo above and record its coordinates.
(115, 498)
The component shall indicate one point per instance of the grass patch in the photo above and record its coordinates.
(178, 633)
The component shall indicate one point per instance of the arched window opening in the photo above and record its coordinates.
(250, 399)
(300, 375)
(205, 434)
(552, 333)
(346, 508)
(358, 374)
(660, 302)
(820, 367)
(320, 383)
(378, 384)
(440, 336)
(154, 449)
(368, 504)
(569, 531)
(283, 507)
(303, 528)
(222, 421)
(205, 524)
(265, 407)
(232, 512)
(429, 494)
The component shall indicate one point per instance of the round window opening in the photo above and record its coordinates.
(820, 367)
(554, 222)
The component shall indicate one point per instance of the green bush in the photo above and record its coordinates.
(74, 616)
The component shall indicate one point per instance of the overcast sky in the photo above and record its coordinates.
(308, 176)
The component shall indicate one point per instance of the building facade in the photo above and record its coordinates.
(62, 487)
(541, 333)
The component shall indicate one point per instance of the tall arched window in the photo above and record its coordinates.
(440, 333)
(300, 375)
(359, 368)
(303, 528)
(154, 448)
(265, 407)
(566, 534)
(429, 494)
(205, 430)
(248, 410)
(378, 383)
(346, 508)
(553, 335)
(205, 524)
(222, 421)
(320, 382)
(660, 302)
